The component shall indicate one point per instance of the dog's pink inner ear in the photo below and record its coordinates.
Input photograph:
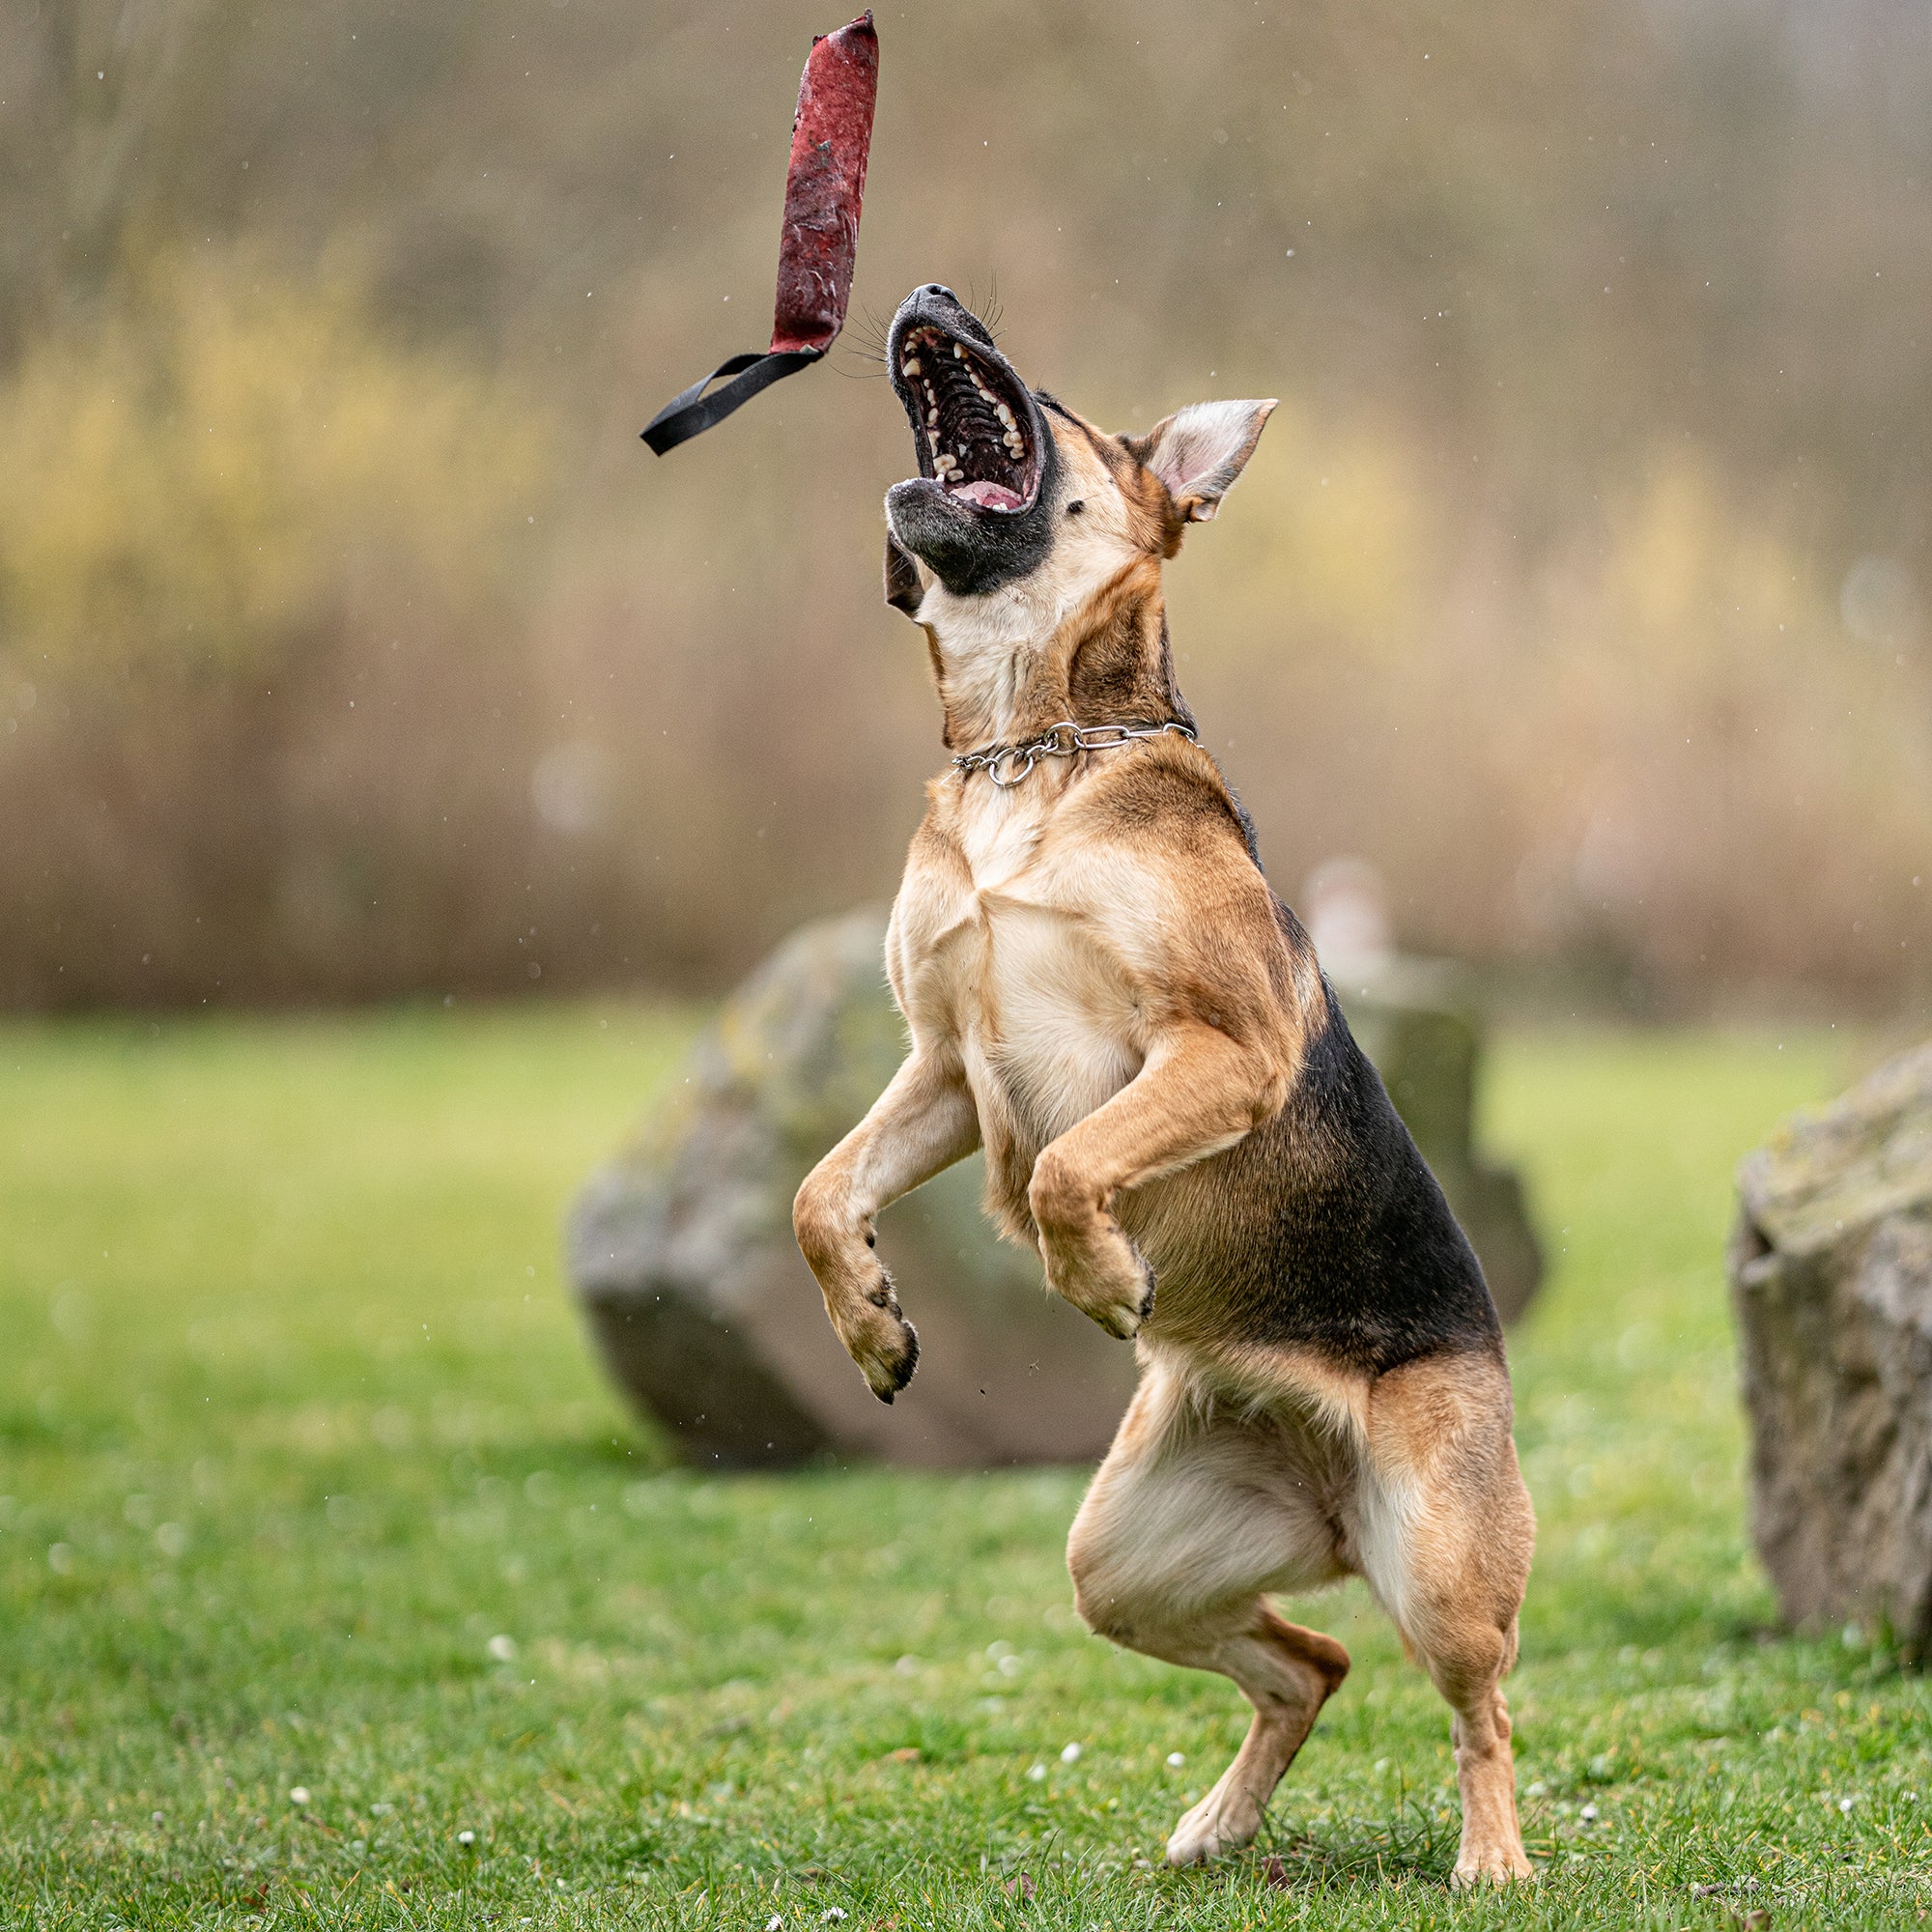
(1199, 451)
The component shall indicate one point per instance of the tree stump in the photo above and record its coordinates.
(1830, 1272)
(682, 1255)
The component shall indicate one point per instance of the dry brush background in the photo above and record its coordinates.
(352, 645)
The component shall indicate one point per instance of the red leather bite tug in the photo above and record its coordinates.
(818, 246)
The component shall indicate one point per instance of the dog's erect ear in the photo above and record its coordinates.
(903, 589)
(1200, 450)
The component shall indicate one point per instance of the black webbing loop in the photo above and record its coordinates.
(691, 410)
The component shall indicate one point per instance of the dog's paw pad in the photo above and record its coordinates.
(887, 1369)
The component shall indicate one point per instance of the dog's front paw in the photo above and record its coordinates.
(1109, 1281)
(879, 1338)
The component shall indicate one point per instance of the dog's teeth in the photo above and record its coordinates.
(958, 353)
(1005, 415)
(911, 366)
(932, 418)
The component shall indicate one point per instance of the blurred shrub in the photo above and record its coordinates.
(191, 480)
(1648, 751)
(1581, 583)
(234, 510)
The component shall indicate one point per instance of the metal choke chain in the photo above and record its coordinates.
(1007, 764)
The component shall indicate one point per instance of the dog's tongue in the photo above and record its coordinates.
(988, 495)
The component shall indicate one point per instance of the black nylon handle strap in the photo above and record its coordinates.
(690, 412)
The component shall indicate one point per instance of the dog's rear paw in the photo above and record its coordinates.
(1492, 1864)
(1224, 1821)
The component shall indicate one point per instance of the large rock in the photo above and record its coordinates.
(1832, 1276)
(682, 1254)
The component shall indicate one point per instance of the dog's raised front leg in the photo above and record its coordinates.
(1198, 1092)
(921, 1124)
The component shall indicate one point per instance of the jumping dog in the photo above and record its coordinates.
(1102, 991)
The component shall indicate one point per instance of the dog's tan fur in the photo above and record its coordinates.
(1098, 990)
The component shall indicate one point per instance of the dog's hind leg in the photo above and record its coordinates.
(1444, 1536)
(1190, 1519)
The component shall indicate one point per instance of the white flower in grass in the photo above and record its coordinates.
(1174, 1760)
(776, 1922)
(1070, 1756)
(465, 1837)
(1036, 1773)
(1588, 1814)
(833, 1916)
(298, 1794)
(1845, 1804)
(502, 1648)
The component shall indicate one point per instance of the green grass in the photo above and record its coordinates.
(295, 1422)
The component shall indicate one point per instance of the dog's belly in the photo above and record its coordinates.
(1048, 1035)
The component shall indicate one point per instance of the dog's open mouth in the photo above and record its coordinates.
(973, 424)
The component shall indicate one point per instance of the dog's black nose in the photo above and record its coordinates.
(939, 289)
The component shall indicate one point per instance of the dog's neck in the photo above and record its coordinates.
(1012, 664)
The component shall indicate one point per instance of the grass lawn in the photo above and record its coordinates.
(336, 1590)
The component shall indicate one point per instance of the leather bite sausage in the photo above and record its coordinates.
(818, 245)
(830, 139)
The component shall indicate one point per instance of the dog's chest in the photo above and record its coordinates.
(1039, 999)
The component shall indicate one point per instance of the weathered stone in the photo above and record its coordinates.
(682, 1258)
(1832, 1276)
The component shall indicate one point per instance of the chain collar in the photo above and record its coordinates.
(1007, 764)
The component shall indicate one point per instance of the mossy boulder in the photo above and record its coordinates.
(1830, 1272)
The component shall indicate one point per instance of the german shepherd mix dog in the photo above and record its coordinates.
(1102, 991)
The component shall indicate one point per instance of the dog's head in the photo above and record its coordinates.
(1015, 493)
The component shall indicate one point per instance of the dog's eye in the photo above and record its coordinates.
(1074, 508)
